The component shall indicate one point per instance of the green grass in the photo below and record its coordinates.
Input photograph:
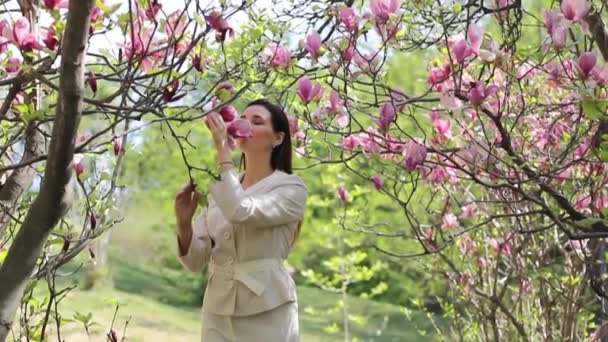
(143, 295)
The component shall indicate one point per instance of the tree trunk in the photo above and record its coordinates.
(52, 202)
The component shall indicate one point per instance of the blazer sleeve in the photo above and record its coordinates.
(199, 250)
(284, 203)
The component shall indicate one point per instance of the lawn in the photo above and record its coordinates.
(139, 293)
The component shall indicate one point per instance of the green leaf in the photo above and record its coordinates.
(202, 200)
(103, 6)
(595, 108)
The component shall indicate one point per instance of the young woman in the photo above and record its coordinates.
(246, 233)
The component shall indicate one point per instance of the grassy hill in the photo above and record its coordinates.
(139, 293)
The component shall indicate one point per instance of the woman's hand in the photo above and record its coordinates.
(216, 125)
(186, 201)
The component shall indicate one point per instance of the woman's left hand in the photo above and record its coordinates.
(216, 125)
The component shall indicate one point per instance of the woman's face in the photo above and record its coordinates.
(262, 135)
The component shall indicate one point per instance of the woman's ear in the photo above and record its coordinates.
(279, 138)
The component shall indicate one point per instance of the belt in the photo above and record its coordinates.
(241, 271)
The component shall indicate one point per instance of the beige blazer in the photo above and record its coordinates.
(245, 236)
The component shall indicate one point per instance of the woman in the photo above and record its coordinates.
(246, 233)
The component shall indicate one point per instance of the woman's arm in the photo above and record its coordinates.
(281, 205)
(194, 243)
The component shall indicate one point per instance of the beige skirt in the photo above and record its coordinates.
(277, 325)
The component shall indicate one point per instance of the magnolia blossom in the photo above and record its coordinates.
(383, 9)
(585, 64)
(414, 154)
(479, 93)
(343, 194)
(228, 113)
(278, 56)
(52, 4)
(220, 25)
(350, 143)
(13, 65)
(377, 181)
(307, 92)
(387, 116)
(239, 128)
(575, 10)
(349, 19)
(464, 48)
(20, 34)
(313, 45)
(449, 221)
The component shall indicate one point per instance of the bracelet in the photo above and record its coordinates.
(225, 162)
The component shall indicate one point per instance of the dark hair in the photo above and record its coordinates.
(281, 155)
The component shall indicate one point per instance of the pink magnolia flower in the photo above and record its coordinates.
(443, 127)
(601, 202)
(153, 8)
(475, 37)
(383, 9)
(52, 39)
(468, 46)
(176, 24)
(350, 143)
(600, 74)
(449, 221)
(278, 56)
(92, 219)
(479, 93)
(582, 202)
(349, 19)
(140, 47)
(343, 194)
(21, 35)
(467, 245)
(369, 143)
(239, 128)
(499, 246)
(117, 146)
(336, 104)
(439, 74)
(438, 175)
(469, 211)
(307, 92)
(585, 64)
(170, 91)
(313, 45)
(414, 154)
(387, 116)
(293, 124)
(348, 53)
(13, 65)
(557, 27)
(52, 4)
(575, 10)
(92, 81)
(97, 13)
(220, 25)
(228, 113)
(377, 181)
(78, 165)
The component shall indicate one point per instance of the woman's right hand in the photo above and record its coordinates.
(186, 201)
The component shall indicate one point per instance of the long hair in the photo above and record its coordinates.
(281, 156)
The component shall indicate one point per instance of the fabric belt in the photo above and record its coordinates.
(241, 271)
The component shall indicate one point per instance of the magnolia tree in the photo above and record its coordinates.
(496, 158)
